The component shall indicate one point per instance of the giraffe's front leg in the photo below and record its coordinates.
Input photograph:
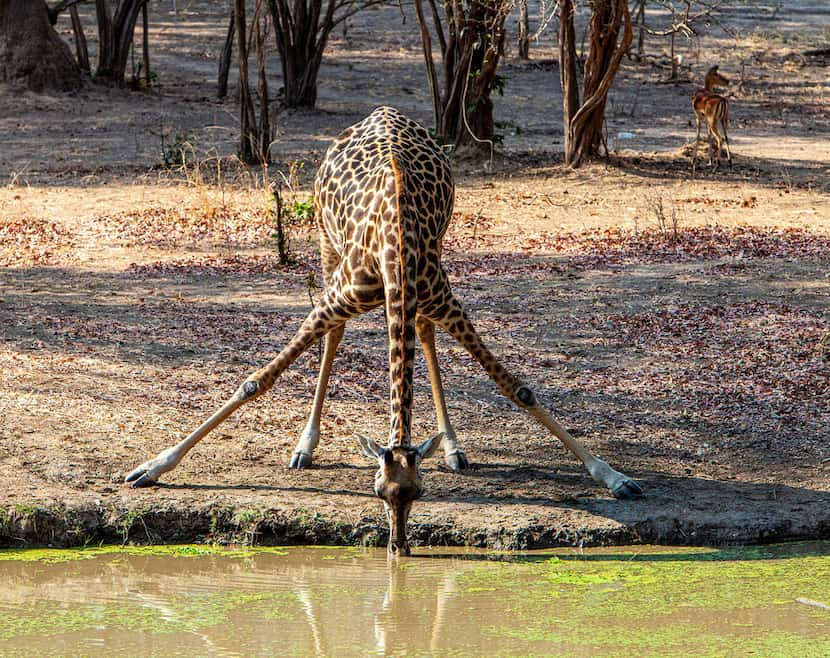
(310, 437)
(148, 473)
(453, 455)
(331, 312)
(455, 321)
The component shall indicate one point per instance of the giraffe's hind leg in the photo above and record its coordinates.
(304, 451)
(451, 316)
(331, 312)
(453, 455)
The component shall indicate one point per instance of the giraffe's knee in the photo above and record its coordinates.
(249, 389)
(525, 396)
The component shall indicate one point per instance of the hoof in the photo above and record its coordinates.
(139, 479)
(627, 490)
(457, 461)
(300, 460)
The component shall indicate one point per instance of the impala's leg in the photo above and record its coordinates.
(726, 141)
(697, 144)
(453, 455)
(451, 316)
(311, 434)
(710, 140)
(329, 313)
(717, 127)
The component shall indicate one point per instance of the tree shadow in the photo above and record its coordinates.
(768, 172)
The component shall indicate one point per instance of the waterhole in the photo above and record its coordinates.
(325, 601)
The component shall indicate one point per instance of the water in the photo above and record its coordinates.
(201, 601)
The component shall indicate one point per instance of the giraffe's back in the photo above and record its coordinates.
(352, 189)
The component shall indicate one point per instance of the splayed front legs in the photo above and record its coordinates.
(455, 321)
(328, 315)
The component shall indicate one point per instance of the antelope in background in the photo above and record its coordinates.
(715, 109)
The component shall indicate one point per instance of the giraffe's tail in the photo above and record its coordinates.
(399, 263)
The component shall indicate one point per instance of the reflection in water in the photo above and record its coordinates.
(353, 602)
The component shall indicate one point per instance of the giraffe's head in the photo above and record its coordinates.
(398, 483)
(715, 79)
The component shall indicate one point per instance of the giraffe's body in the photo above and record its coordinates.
(383, 200)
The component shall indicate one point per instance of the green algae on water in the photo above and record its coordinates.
(645, 602)
(58, 555)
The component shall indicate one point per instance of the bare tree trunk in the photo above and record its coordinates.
(31, 51)
(481, 84)
(145, 46)
(673, 58)
(80, 39)
(641, 36)
(567, 69)
(115, 36)
(584, 130)
(264, 118)
(524, 31)
(225, 59)
(301, 31)
(432, 77)
(471, 51)
(247, 120)
(105, 36)
(439, 29)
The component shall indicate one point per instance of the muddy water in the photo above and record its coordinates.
(188, 601)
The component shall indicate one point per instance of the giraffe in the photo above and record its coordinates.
(714, 109)
(383, 200)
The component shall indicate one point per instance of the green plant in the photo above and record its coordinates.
(499, 82)
(175, 154)
(302, 210)
(287, 209)
(22, 509)
(125, 523)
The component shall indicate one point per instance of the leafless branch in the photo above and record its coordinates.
(61, 7)
(683, 20)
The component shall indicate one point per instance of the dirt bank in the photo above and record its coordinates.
(678, 327)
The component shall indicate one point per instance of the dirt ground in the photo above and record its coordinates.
(679, 327)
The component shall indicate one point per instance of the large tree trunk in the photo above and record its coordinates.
(301, 30)
(249, 137)
(225, 59)
(264, 153)
(524, 31)
(115, 36)
(471, 52)
(31, 51)
(567, 68)
(583, 129)
(80, 39)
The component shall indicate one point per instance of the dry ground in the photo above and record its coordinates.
(678, 326)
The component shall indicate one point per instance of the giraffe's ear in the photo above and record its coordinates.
(428, 447)
(370, 448)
